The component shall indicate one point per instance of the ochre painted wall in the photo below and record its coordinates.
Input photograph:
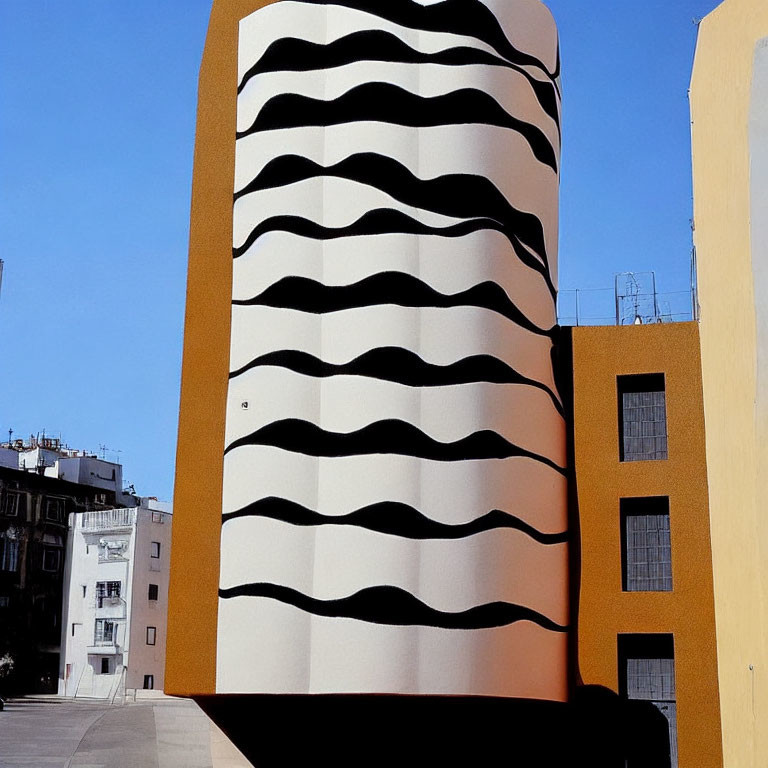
(737, 448)
(193, 597)
(604, 611)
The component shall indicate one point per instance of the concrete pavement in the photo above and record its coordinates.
(53, 732)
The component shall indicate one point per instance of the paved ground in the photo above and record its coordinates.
(52, 732)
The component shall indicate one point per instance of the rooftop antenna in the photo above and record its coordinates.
(103, 450)
(10, 431)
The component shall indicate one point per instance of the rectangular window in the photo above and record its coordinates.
(104, 665)
(647, 673)
(646, 547)
(152, 593)
(54, 509)
(105, 632)
(149, 682)
(151, 635)
(107, 593)
(85, 589)
(642, 417)
(9, 552)
(51, 559)
(4, 601)
(12, 503)
(157, 517)
(154, 550)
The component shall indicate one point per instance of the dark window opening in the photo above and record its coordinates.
(647, 673)
(54, 509)
(642, 417)
(51, 559)
(646, 547)
(104, 666)
(13, 503)
(149, 682)
(152, 593)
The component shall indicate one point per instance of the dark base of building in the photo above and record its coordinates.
(597, 729)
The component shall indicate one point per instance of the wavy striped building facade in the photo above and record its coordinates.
(386, 448)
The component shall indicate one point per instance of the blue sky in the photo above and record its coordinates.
(97, 114)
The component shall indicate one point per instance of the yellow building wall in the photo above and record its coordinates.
(193, 595)
(736, 441)
(604, 610)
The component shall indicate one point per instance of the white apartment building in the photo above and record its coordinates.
(116, 600)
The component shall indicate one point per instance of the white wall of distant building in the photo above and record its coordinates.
(115, 546)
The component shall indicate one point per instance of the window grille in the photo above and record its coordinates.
(646, 545)
(152, 592)
(645, 426)
(651, 679)
(642, 417)
(648, 667)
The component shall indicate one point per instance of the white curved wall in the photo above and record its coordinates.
(394, 486)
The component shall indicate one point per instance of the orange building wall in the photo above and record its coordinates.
(599, 356)
(193, 597)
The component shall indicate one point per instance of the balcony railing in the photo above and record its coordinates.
(108, 519)
(103, 648)
(110, 608)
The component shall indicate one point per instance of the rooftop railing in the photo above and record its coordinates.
(597, 306)
(633, 300)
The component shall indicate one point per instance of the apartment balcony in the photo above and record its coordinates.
(103, 648)
(107, 520)
(110, 608)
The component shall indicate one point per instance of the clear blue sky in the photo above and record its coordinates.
(97, 112)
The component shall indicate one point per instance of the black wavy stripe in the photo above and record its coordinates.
(402, 367)
(395, 606)
(387, 221)
(387, 436)
(393, 518)
(291, 54)
(460, 195)
(399, 288)
(388, 103)
(459, 17)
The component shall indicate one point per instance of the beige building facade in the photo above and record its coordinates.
(729, 113)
